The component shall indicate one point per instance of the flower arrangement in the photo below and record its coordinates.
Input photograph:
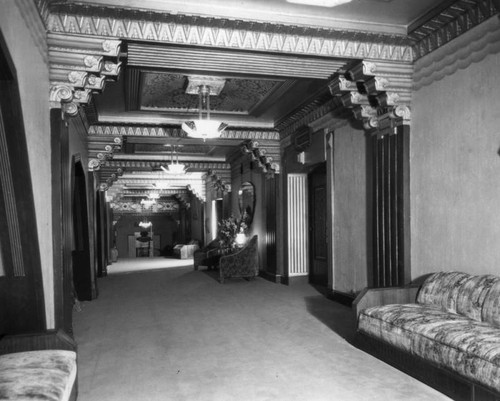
(228, 229)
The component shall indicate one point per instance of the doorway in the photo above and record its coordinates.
(318, 250)
(82, 275)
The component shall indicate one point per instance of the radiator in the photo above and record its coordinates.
(298, 233)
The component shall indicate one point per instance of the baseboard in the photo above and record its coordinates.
(273, 277)
(341, 297)
(294, 280)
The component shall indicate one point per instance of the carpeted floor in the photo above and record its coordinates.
(134, 265)
(177, 334)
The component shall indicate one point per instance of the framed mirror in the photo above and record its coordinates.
(246, 199)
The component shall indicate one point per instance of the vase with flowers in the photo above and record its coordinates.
(228, 230)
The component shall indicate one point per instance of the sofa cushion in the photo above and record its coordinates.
(397, 324)
(491, 305)
(441, 290)
(472, 293)
(47, 375)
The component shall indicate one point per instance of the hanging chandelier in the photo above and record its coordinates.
(174, 167)
(204, 128)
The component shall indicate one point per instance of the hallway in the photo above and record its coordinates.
(177, 334)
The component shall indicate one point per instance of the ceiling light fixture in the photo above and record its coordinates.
(320, 3)
(204, 128)
(174, 167)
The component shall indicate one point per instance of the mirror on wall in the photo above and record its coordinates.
(246, 199)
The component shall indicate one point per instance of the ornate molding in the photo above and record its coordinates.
(470, 48)
(132, 207)
(177, 132)
(369, 87)
(219, 183)
(80, 67)
(452, 22)
(223, 33)
(267, 160)
(309, 115)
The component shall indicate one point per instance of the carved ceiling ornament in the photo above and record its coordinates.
(375, 89)
(268, 160)
(79, 67)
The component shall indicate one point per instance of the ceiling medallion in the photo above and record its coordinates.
(204, 128)
(320, 3)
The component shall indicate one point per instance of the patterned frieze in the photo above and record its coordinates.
(135, 206)
(223, 33)
(460, 17)
(176, 132)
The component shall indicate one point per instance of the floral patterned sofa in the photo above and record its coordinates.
(452, 327)
(38, 367)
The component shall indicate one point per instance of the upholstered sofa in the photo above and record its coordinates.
(243, 263)
(186, 251)
(38, 367)
(446, 331)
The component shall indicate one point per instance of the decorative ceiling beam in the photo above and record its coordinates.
(226, 34)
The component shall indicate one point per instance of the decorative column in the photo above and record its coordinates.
(379, 94)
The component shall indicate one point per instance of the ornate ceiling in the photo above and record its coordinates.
(125, 66)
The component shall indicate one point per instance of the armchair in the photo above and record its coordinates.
(207, 256)
(243, 263)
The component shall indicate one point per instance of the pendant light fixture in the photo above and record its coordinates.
(204, 127)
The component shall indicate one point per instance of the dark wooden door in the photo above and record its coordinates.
(318, 271)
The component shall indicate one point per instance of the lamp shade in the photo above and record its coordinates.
(204, 129)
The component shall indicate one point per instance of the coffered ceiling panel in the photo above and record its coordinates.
(164, 91)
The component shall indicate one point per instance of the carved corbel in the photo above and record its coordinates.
(402, 112)
(111, 69)
(95, 83)
(370, 123)
(78, 79)
(94, 164)
(93, 63)
(339, 84)
(111, 47)
(276, 167)
(351, 99)
(82, 96)
(364, 111)
(61, 93)
(69, 109)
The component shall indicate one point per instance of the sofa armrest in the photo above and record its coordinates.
(383, 296)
